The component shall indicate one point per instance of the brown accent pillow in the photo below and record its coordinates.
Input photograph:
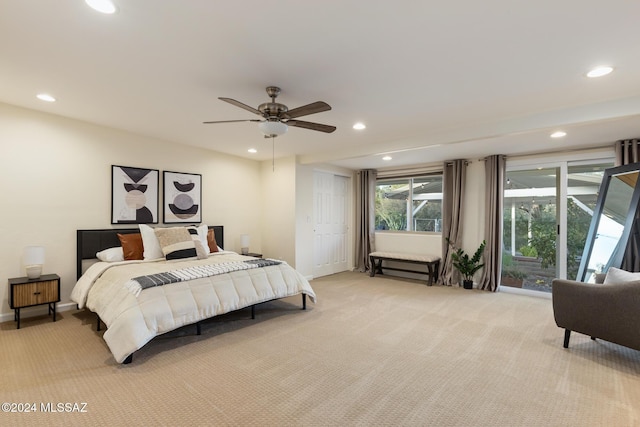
(132, 248)
(211, 240)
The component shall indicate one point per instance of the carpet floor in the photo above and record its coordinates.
(372, 352)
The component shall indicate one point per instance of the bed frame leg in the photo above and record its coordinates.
(253, 311)
(304, 301)
(97, 322)
(198, 329)
(128, 360)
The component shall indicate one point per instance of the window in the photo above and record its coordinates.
(409, 204)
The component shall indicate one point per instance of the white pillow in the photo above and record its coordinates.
(202, 236)
(152, 249)
(615, 275)
(111, 255)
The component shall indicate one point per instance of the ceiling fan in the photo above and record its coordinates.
(276, 117)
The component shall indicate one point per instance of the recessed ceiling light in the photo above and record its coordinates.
(45, 97)
(600, 71)
(252, 150)
(102, 6)
(558, 134)
(387, 158)
(359, 126)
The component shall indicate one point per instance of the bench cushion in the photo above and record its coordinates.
(405, 256)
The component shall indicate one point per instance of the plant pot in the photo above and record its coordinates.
(467, 284)
(511, 282)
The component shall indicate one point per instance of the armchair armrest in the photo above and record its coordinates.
(610, 312)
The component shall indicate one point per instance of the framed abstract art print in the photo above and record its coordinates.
(134, 195)
(182, 197)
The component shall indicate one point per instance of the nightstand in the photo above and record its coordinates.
(253, 254)
(25, 292)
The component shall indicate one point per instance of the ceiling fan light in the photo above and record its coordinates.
(272, 128)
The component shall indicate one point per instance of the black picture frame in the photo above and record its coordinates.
(134, 195)
(182, 197)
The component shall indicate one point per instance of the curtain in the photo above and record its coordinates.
(627, 151)
(494, 191)
(365, 218)
(453, 184)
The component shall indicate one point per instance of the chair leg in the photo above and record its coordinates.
(567, 335)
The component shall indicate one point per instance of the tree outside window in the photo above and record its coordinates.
(409, 204)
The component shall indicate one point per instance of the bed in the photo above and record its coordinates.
(139, 299)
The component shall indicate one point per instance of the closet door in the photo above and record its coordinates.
(340, 223)
(330, 206)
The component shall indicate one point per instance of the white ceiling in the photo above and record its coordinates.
(432, 80)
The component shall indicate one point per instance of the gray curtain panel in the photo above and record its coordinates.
(494, 167)
(627, 151)
(365, 217)
(453, 185)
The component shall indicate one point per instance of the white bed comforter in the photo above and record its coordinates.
(133, 321)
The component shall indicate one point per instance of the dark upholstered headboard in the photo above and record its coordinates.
(91, 241)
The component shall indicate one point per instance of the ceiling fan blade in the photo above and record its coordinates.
(241, 105)
(314, 107)
(232, 121)
(312, 126)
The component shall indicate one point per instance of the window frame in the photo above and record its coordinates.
(410, 219)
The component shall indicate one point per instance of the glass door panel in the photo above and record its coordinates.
(530, 221)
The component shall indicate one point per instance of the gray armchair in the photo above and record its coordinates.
(610, 312)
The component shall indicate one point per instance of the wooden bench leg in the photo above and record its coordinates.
(375, 267)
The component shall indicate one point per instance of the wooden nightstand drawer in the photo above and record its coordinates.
(25, 292)
(28, 294)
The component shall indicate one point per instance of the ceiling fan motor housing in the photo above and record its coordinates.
(273, 110)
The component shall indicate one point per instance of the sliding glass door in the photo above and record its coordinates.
(547, 213)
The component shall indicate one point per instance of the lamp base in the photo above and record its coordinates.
(33, 271)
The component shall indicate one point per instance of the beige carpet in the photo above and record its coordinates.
(372, 351)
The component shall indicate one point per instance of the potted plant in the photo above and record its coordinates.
(466, 265)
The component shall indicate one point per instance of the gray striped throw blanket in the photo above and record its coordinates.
(138, 284)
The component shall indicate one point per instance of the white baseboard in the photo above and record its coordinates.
(38, 310)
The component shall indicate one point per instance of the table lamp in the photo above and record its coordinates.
(244, 244)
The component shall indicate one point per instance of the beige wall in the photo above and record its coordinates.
(277, 209)
(56, 178)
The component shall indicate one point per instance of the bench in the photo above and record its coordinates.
(431, 261)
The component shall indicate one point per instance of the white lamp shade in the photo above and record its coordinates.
(272, 128)
(33, 255)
